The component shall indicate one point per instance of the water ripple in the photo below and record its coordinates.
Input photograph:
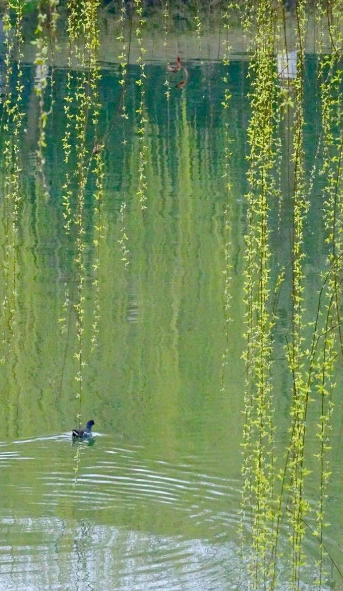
(157, 524)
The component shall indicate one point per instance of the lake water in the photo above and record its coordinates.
(152, 502)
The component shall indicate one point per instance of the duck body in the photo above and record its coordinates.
(84, 433)
(175, 67)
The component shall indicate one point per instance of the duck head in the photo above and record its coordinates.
(89, 425)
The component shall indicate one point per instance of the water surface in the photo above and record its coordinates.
(153, 501)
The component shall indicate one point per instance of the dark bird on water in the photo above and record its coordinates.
(84, 433)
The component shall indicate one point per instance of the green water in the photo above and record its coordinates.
(153, 503)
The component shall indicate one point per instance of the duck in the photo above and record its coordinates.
(84, 433)
(175, 67)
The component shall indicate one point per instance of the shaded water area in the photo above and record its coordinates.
(152, 502)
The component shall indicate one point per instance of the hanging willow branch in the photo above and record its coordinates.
(45, 36)
(11, 126)
(141, 110)
(258, 435)
(228, 189)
